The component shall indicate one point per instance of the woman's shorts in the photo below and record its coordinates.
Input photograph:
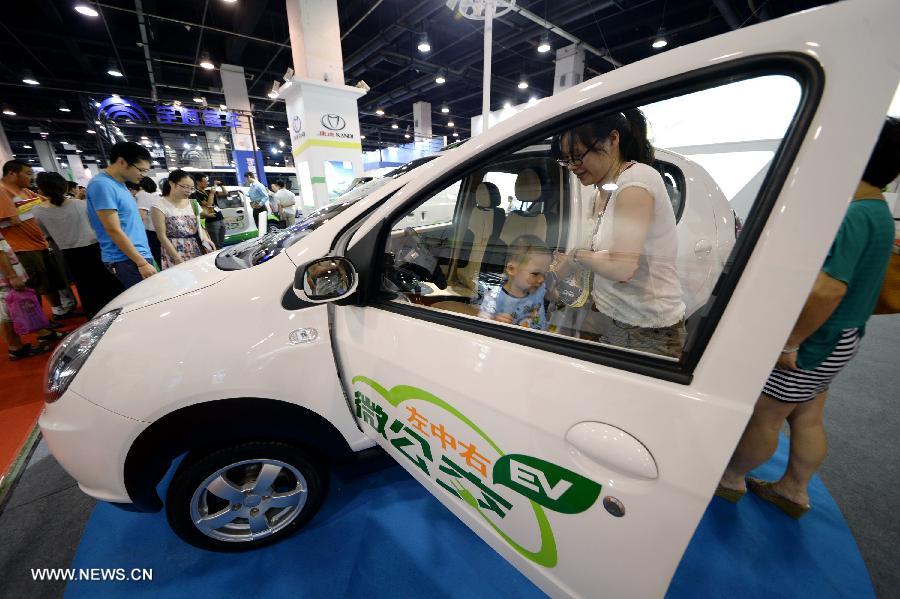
(798, 385)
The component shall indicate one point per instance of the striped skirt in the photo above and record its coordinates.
(804, 385)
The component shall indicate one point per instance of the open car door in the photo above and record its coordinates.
(588, 466)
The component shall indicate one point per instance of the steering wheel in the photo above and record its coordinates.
(413, 260)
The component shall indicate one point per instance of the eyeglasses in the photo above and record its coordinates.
(576, 162)
(188, 188)
(142, 171)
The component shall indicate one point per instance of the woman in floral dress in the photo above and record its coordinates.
(176, 222)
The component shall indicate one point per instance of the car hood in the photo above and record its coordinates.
(179, 280)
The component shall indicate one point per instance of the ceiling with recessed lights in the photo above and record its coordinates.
(59, 57)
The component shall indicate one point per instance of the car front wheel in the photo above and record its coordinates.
(244, 496)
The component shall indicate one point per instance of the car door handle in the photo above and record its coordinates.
(239, 211)
(703, 248)
(613, 448)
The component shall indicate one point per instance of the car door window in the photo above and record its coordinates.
(521, 243)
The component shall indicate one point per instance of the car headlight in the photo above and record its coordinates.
(70, 355)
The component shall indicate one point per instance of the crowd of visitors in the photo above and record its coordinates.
(119, 230)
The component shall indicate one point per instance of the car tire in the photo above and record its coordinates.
(271, 227)
(244, 496)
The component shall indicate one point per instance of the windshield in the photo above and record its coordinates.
(259, 250)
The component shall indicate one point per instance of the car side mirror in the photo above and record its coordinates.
(326, 279)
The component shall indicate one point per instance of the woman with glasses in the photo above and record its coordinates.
(176, 222)
(636, 297)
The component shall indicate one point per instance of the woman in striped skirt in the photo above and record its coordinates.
(824, 339)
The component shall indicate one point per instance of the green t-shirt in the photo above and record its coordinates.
(859, 258)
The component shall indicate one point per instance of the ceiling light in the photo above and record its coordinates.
(455, 134)
(362, 136)
(507, 105)
(274, 150)
(27, 147)
(78, 151)
(270, 126)
(544, 45)
(523, 84)
(8, 111)
(273, 93)
(445, 109)
(451, 124)
(193, 135)
(440, 79)
(206, 62)
(424, 46)
(86, 10)
(406, 135)
(28, 78)
(114, 72)
(660, 41)
(97, 122)
(230, 1)
(198, 100)
(63, 107)
(395, 126)
(144, 137)
(186, 145)
(379, 112)
(281, 142)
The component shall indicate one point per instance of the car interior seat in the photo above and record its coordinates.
(482, 248)
(529, 190)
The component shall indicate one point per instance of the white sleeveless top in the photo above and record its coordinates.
(652, 298)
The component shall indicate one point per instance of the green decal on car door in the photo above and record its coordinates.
(462, 470)
(552, 486)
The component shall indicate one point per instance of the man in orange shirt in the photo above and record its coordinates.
(26, 238)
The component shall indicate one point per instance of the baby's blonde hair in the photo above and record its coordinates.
(524, 247)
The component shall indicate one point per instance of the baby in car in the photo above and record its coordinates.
(520, 300)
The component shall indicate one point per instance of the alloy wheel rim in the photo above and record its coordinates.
(248, 500)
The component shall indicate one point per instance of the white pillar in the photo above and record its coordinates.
(316, 40)
(76, 167)
(569, 67)
(6, 153)
(46, 155)
(246, 157)
(486, 83)
(322, 113)
(93, 169)
(422, 120)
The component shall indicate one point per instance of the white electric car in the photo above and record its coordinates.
(238, 216)
(586, 465)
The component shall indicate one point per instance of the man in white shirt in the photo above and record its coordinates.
(285, 203)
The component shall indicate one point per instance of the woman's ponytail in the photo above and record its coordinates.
(635, 146)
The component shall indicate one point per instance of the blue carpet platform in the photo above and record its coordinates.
(380, 534)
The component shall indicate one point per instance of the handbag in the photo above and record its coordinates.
(889, 298)
(25, 311)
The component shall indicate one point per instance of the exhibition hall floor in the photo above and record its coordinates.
(380, 534)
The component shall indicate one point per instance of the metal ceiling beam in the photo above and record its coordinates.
(192, 24)
(361, 19)
(199, 41)
(388, 36)
(145, 43)
(604, 54)
(724, 8)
